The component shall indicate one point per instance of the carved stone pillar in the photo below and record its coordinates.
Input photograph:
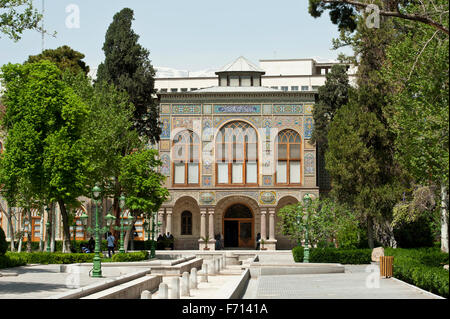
(263, 224)
(212, 240)
(169, 220)
(161, 230)
(202, 244)
(271, 242)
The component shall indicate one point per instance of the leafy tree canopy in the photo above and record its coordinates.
(16, 16)
(66, 58)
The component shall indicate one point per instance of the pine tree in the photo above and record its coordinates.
(128, 67)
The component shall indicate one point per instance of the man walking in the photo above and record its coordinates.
(110, 239)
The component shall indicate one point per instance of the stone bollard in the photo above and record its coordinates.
(146, 295)
(216, 266)
(185, 291)
(163, 292)
(204, 277)
(211, 267)
(193, 283)
(174, 291)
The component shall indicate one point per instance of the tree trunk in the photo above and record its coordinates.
(41, 232)
(66, 230)
(52, 227)
(129, 233)
(30, 229)
(116, 207)
(11, 228)
(444, 218)
(370, 233)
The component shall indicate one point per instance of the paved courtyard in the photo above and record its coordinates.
(44, 281)
(348, 285)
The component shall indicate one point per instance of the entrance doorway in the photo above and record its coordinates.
(238, 227)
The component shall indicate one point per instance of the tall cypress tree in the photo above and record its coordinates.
(128, 67)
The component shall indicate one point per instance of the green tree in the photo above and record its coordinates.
(44, 154)
(64, 57)
(344, 13)
(128, 67)
(16, 16)
(417, 109)
(142, 184)
(332, 96)
(327, 222)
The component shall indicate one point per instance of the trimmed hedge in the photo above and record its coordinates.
(58, 245)
(11, 260)
(136, 256)
(334, 255)
(422, 267)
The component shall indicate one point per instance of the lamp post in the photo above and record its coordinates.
(152, 251)
(307, 200)
(48, 228)
(122, 228)
(97, 266)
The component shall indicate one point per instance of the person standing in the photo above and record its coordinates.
(91, 244)
(110, 240)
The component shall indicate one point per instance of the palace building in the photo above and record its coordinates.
(234, 152)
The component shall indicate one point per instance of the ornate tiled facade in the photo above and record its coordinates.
(208, 202)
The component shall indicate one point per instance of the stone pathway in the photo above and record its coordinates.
(348, 285)
(41, 281)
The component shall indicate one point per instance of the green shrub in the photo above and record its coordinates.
(422, 267)
(334, 255)
(136, 256)
(3, 243)
(9, 261)
(415, 234)
(297, 253)
(59, 244)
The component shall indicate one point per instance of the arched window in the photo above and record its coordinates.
(185, 155)
(288, 146)
(186, 223)
(237, 154)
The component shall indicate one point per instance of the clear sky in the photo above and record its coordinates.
(189, 35)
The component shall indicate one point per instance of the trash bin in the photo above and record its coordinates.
(386, 266)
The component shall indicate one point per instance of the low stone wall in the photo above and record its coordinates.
(129, 290)
(237, 290)
(97, 287)
(177, 269)
(257, 269)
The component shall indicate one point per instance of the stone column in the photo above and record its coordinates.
(202, 227)
(271, 223)
(271, 243)
(193, 277)
(161, 219)
(263, 224)
(169, 220)
(212, 241)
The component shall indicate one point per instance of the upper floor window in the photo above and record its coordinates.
(305, 88)
(173, 90)
(237, 154)
(186, 153)
(284, 88)
(288, 146)
(294, 88)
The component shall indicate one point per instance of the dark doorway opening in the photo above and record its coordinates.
(238, 227)
(231, 233)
